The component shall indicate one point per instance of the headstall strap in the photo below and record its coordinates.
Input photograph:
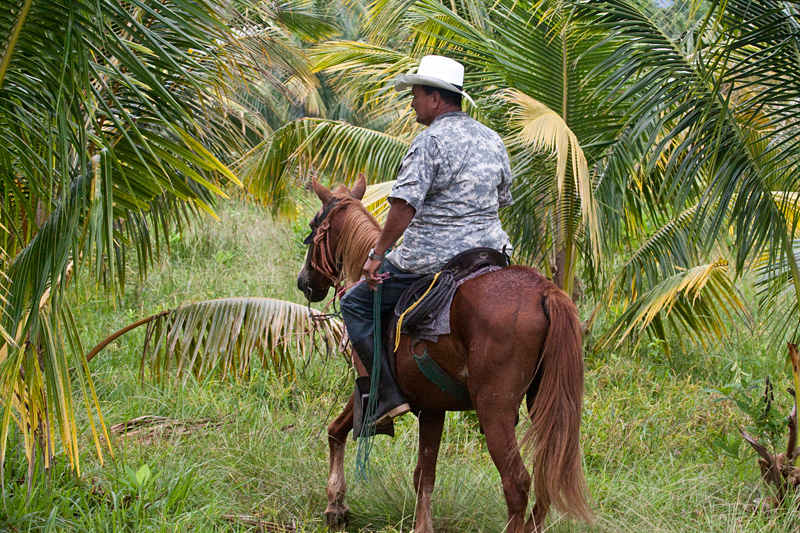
(322, 242)
(321, 239)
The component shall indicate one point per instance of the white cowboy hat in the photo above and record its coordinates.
(435, 71)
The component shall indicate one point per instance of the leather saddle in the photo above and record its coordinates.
(472, 260)
(458, 268)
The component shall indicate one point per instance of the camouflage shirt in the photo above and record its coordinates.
(456, 175)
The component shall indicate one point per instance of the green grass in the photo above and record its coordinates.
(259, 447)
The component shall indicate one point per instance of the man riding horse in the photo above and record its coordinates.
(512, 336)
(450, 185)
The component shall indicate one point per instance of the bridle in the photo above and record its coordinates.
(326, 265)
(320, 257)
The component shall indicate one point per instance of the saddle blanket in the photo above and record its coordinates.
(441, 326)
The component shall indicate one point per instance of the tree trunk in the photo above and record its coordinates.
(558, 276)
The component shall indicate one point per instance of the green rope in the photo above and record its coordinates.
(368, 424)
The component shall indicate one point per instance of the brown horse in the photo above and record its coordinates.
(514, 334)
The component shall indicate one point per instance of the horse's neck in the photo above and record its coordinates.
(359, 234)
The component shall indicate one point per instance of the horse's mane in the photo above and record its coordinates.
(359, 234)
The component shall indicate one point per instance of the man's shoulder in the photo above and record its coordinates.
(423, 137)
(458, 125)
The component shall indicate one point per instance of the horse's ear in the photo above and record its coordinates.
(322, 192)
(360, 187)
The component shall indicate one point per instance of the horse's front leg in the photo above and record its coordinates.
(337, 513)
(430, 436)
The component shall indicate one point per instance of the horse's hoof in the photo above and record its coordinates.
(338, 518)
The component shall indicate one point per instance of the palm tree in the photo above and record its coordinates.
(724, 156)
(116, 123)
(551, 81)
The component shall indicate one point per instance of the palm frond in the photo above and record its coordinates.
(774, 279)
(107, 110)
(726, 101)
(383, 21)
(528, 221)
(300, 18)
(375, 199)
(678, 244)
(337, 149)
(363, 72)
(540, 128)
(695, 300)
(223, 336)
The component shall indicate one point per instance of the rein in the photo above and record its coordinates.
(338, 294)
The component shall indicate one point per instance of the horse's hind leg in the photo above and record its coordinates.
(498, 426)
(540, 510)
(430, 436)
(542, 506)
(337, 513)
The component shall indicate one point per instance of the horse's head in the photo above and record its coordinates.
(322, 268)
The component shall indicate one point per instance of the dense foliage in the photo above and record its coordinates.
(654, 148)
(673, 156)
(117, 121)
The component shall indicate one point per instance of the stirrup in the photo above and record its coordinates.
(398, 411)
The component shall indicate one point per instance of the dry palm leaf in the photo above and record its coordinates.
(541, 128)
(695, 299)
(222, 335)
(148, 428)
(375, 199)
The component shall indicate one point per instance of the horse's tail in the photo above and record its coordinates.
(556, 412)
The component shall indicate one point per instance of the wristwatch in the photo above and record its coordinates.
(375, 256)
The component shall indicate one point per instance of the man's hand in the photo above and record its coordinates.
(371, 268)
(397, 220)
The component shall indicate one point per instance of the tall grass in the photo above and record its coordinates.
(259, 448)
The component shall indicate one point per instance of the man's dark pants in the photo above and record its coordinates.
(357, 309)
